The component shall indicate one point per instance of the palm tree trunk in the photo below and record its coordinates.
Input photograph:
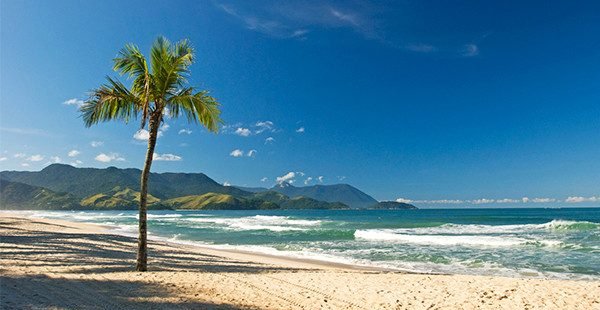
(142, 254)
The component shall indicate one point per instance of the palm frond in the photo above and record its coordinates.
(197, 107)
(111, 101)
(170, 65)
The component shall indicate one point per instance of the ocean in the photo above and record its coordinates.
(542, 243)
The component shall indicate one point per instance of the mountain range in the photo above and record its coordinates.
(111, 188)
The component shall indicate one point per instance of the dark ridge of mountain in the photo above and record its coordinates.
(392, 205)
(20, 196)
(215, 201)
(300, 202)
(252, 189)
(343, 193)
(84, 182)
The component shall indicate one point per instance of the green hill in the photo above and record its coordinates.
(84, 182)
(215, 201)
(19, 196)
(285, 202)
(117, 198)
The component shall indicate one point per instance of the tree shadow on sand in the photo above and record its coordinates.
(68, 259)
(41, 292)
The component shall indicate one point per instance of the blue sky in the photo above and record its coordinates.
(438, 102)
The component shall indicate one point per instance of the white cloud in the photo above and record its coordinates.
(288, 177)
(482, 201)
(54, 160)
(144, 135)
(244, 132)
(269, 140)
(73, 153)
(470, 50)
(300, 130)
(167, 112)
(308, 180)
(320, 178)
(236, 153)
(444, 201)
(508, 200)
(3, 158)
(421, 48)
(264, 126)
(579, 199)
(226, 183)
(166, 157)
(37, 157)
(265, 179)
(185, 131)
(96, 143)
(76, 163)
(439, 201)
(74, 101)
(106, 158)
(25, 164)
(19, 155)
(543, 200)
(251, 153)
(341, 178)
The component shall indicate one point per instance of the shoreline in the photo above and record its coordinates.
(283, 257)
(252, 255)
(57, 263)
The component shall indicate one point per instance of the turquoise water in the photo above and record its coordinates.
(555, 243)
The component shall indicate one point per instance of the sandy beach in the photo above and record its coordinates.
(61, 265)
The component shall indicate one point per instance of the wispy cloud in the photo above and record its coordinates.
(185, 131)
(285, 20)
(269, 140)
(421, 48)
(470, 50)
(265, 179)
(580, 199)
(54, 160)
(3, 158)
(36, 157)
(73, 153)
(251, 153)
(74, 102)
(484, 201)
(97, 143)
(166, 157)
(244, 132)
(107, 158)
(20, 155)
(144, 135)
(263, 126)
(27, 131)
(236, 153)
(300, 130)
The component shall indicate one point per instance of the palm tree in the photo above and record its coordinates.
(155, 91)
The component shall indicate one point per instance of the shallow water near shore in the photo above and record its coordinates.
(555, 243)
